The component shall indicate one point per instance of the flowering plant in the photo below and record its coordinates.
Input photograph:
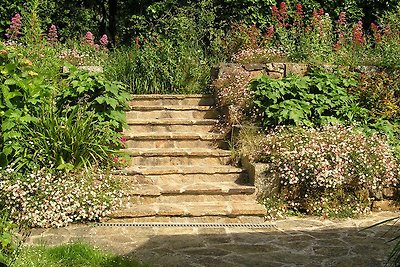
(331, 171)
(46, 198)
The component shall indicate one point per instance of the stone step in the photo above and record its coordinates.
(183, 169)
(170, 125)
(249, 219)
(182, 174)
(179, 179)
(156, 188)
(175, 140)
(173, 112)
(192, 209)
(175, 156)
(167, 100)
(129, 200)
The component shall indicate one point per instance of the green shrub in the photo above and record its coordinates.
(312, 100)
(331, 171)
(11, 237)
(108, 100)
(23, 91)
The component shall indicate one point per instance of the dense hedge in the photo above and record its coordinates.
(125, 19)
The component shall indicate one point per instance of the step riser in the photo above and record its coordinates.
(178, 160)
(169, 179)
(170, 128)
(172, 102)
(172, 114)
(175, 144)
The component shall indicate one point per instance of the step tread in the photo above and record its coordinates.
(160, 187)
(171, 108)
(173, 136)
(181, 169)
(192, 209)
(176, 152)
(169, 121)
(170, 96)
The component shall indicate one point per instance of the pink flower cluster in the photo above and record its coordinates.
(52, 36)
(13, 31)
(89, 40)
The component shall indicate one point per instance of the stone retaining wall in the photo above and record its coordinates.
(279, 70)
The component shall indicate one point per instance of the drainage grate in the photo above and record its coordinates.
(200, 225)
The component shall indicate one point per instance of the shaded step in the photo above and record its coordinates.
(174, 112)
(175, 156)
(175, 140)
(170, 125)
(167, 100)
(192, 209)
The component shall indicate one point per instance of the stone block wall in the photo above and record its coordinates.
(272, 70)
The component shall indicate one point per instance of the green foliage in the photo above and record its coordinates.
(107, 99)
(312, 100)
(11, 236)
(22, 92)
(7, 244)
(70, 138)
(74, 254)
(36, 127)
(160, 67)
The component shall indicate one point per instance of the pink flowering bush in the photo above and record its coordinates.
(14, 30)
(331, 171)
(46, 198)
(89, 39)
(52, 36)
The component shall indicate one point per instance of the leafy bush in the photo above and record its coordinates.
(331, 171)
(7, 244)
(379, 93)
(108, 100)
(11, 237)
(22, 92)
(312, 100)
(48, 198)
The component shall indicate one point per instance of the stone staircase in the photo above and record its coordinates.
(179, 165)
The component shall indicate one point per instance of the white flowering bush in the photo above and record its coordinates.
(46, 198)
(331, 171)
(233, 96)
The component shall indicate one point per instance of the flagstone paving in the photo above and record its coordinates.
(295, 241)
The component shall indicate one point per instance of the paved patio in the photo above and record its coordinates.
(291, 242)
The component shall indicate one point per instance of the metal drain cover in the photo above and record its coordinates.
(200, 225)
